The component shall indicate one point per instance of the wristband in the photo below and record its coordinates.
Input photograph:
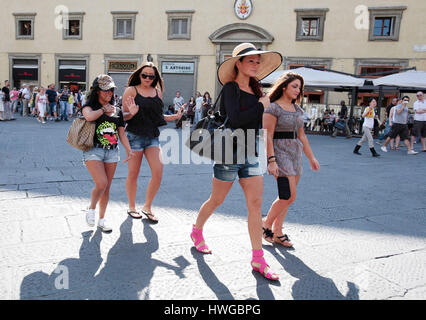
(271, 157)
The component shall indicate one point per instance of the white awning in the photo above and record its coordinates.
(318, 78)
(411, 79)
(72, 67)
(25, 66)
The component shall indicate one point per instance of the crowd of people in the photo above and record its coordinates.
(195, 109)
(398, 124)
(45, 104)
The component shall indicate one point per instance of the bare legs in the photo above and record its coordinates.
(253, 190)
(279, 208)
(153, 156)
(220, 190)
(102, 175)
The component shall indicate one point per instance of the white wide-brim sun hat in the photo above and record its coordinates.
(269, 62)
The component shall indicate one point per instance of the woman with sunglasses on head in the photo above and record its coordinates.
(285, 140)
(101, 160)
(143, 112)
(243, 103)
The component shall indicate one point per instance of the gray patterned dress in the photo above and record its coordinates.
(288, 152)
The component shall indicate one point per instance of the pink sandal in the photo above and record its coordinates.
(259, 264)
(198, 239)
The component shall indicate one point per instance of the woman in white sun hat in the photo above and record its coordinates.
(243, 103)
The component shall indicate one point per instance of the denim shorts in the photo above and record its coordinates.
(52, 107)
(139, 143)
(229, 172)
(100, 154)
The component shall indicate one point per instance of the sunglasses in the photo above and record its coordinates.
(109, 90)
(149, 76)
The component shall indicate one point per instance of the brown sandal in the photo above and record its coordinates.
(282, 239)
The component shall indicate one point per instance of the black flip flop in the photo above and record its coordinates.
(134, 214)
(149, 216)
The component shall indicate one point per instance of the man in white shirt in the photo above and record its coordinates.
(26, 96)
(419, 127)
(178, 101)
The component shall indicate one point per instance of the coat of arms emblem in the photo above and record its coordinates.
(243, 8)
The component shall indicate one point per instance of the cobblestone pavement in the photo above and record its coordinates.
(358, 228)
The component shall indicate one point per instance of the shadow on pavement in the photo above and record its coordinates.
(310, 285)
(220, 290)
(128, 270)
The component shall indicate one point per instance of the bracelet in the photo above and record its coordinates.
(269, 158)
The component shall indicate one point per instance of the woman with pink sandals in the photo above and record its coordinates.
(243, 103)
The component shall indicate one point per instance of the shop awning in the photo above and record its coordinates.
(72, 73)
(408, 79)
(25, 72)
(318, 78)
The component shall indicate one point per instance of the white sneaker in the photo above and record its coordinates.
(383, 148)
(412, 152)
(102, 225)
(90, 217)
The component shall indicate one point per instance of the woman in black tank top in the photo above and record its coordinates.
(143, 112)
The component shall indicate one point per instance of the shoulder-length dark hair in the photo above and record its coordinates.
(283, 81)
(253, 83)
(135, 77)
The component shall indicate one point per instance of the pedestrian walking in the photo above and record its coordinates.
(190, 111)
(1, 106)
(14, 95)
(207, 104)
(63, 96)
(178, 103)
(369, 116)
(243, 103)
(52, 97)
(32, 103)
(399, 126)
(101, 160)
(198, 107)
(26, 96)
(143, 112)
(394, 143)
(419, 128)
(7, 115)
(41, 103)
(285, 142)
(70, 106)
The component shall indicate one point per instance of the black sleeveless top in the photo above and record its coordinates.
(148, 118)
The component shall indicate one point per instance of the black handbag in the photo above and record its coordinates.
(213, 138)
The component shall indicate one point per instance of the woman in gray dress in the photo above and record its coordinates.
(285, 141)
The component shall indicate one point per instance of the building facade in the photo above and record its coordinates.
(70, 42)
